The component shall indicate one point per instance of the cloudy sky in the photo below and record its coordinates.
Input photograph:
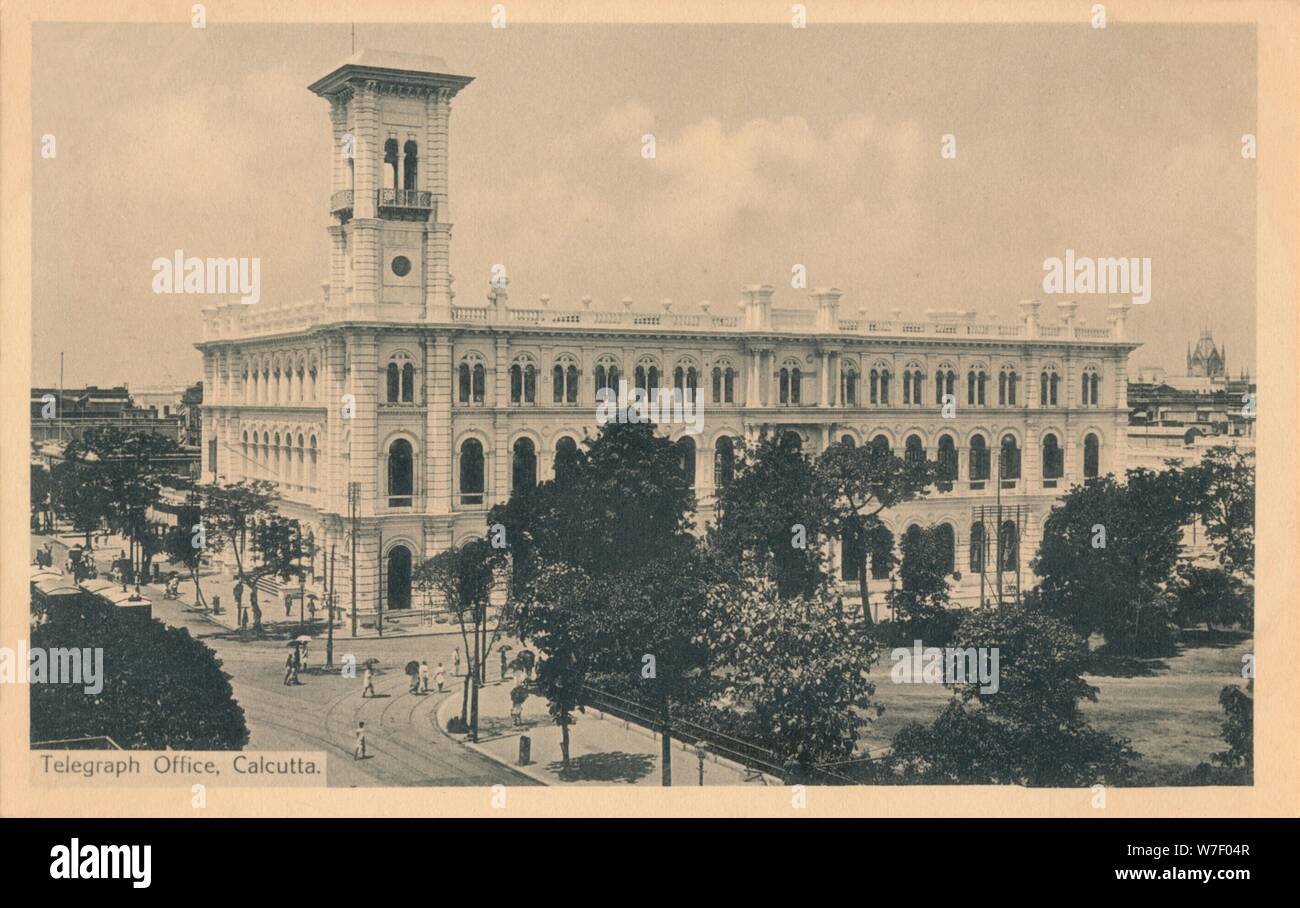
(775, 147)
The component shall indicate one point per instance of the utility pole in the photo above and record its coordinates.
(998, 528)
(379, 604)
(665, 737)
(329, 631)
(354, 498)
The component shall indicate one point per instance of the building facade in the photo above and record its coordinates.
(427, 411)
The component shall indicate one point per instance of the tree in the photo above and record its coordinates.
(1222, 489)
(1026, 730)
(772, 512)
(921, 599)
(1108, 550)
(602, 561)
(795, 667)
(42, 484)
(230, 513)
(162, 689)
(859, 483)
(554, 616)
(1211, 595)
(464, 578)
(77, 498)
(126, 470)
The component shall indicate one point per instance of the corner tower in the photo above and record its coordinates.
(391, 230)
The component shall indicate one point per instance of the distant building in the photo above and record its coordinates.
(1179, 417)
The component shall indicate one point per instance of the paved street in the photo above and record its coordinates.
(322, 713)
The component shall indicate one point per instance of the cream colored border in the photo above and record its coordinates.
(1277, 704)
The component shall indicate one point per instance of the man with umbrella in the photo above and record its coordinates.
(413, 672)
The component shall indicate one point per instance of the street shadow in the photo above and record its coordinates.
(499, 727)
(615, 766)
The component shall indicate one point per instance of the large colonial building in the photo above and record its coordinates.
(430, 410)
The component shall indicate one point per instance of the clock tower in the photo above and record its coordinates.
(391, 223)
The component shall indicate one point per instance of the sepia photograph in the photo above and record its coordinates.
(486, 402)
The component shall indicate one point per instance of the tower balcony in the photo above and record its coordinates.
(341, 204)
(404, 202)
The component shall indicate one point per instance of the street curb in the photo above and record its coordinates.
(448, 706)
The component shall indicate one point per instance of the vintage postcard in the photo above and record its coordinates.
(822, 408)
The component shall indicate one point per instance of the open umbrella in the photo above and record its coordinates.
(412, 668)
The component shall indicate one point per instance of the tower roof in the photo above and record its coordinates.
(390, 66)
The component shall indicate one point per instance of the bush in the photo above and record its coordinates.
(1149, 630)
(161, 687)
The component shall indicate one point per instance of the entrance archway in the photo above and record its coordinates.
(398, 589)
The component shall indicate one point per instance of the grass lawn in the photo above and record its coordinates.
(1168, 708)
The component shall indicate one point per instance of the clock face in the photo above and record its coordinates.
(401, 266)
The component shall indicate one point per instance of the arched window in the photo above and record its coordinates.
(400, 462)
(601, 381)
(566, 457)
(480, 383)
(516, 384)
(471, 472)
(724, 461)
(300, 471)
(464, 385)
(978, 545)
(312, 463)
(717, 385)
(1010, 459)
(408, 383)
(850, 552)
(947, 543)
(884, 386)
(914, 449)
(1007, 380)
(785, 385)
(571, 384)
(1091, 383)
(1091, 456)
(686, 446)
(947, 463)
(557, 384)
(729, 385)
(873, 394)
(1053, 459)
(652, 381)
(390, 164)
(641, 378)
(523, 465)
(796, 385)
(849, 386)
(847, 441)
(394, 383)
(1048, 384)
(979, 459)
(882, 555)
(1008, 547)
(791, 440)
(410, 165)
(679, 378)
(880, 444)
(243, 464)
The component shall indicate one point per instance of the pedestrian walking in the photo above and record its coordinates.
(311, 604)
(440, 677)
(505, 665)
(291, 669)
(424, 676)
(288, 605)
(239, 598)
(359, 752)
(369, 689)
(455, 663)
(302, 654)
(252, 605)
